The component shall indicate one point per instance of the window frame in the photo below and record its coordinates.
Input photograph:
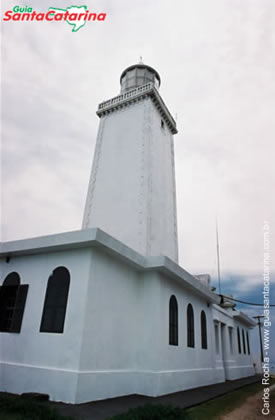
(203, 330)
(190, 326)
(173, 321)
(248, 343)
(243, 337)
(12, 313)
(239, 340)
(217, 337)
(53, 305)
(230, 334)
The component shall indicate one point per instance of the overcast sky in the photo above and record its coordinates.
(217, 64)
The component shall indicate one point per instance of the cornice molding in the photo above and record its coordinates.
(135, 95)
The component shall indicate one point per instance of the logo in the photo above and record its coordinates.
(76, 16)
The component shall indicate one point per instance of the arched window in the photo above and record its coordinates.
(217, 341)
(230, 332)
(203, 331)
(12, 303)
(190, 326)
(173, 321)
(244, 348)
(239, 340)
(248, 344)
(55, 304)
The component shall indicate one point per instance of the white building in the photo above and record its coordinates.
(107, 311)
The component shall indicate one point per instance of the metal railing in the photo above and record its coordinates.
(121, 98)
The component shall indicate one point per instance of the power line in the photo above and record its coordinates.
(244, 302)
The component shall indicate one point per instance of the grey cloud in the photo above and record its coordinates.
(217, 70)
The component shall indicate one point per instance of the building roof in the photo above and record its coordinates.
(97, 238)
(241, 316)
(140, 66)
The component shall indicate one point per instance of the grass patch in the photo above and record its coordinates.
(213, 409)
(9, 417)
(16, 408)
(153, 412)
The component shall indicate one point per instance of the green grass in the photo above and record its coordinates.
(153, 412)
(222, 405)
(9, 417)
(16, 408)
(211, 410)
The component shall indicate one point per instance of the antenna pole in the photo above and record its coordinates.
(218, 257)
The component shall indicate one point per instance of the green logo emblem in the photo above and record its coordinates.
(73, 15)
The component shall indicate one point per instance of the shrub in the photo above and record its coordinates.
(154, 412)
(28, 409)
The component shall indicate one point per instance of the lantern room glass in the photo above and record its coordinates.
(138, 76)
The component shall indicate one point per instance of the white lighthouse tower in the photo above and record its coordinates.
(131, 193)
(115, 314)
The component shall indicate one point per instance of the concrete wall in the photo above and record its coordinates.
(132, 178)
(111, 332)
(45, 362)
(116, 334)
(178, 367)
(235, 365)
(125, 347)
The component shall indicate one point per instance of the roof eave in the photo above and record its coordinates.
(97, 238)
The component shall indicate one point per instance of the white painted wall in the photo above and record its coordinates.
(115, 340)
(236, 365)
(45, 362)
(108, 355)
(131, 192)
(180, 367)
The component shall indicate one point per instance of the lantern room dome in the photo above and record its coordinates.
(138, 75)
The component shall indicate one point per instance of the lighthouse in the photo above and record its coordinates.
(131, 192)
(101, 312)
